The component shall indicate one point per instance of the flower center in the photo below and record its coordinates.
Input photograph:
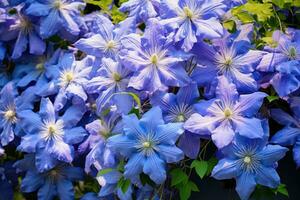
(10, 115)
(227, 113)
(147, 145)
(247, 159)
(40, 67)
(188, 12)
(180, 118)
(117, 77)
(293, 53)
(66, 78)
(57, 4)
(52, 130)
(154, 59)
(110, 44)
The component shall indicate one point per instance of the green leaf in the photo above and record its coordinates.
(211, 164)
(178, 176)
(185, 190)
(272, 98)
(145, 179)
(253, 10)
(230, 26)
(125, 186)
(282, 190)
(200, 167)
(104, 171)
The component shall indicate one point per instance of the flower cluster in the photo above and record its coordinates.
(123, 105)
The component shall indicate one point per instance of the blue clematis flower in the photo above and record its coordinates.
(27, 35)
(141, 10)
(10, 105)
(250, 162)
(56, 182)
(8, 114)
(148, 144)
(49, 135)
(68, 79)
(56, 14)
(111, 78)
(179, 108)
(109, 186)
(100, 156)
(290, 134)
(231, 57)
(106, 39)
(190, 19)
(153, 59)
(282, 61)
(36, 71)
(227, 114)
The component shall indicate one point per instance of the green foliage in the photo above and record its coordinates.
(104, 171)
(281, 189)
(180, 180)
(107, 7)
(253, 11)
(123, 184)
(200, 167)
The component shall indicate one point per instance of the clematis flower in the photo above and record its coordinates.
(190, 19)
(55, 182)
(100, 156)
(141, 10)
(231, 57)
(111, 78)
(250, 162)
(153, 59)
(27, 35)
(106, 41)
(282, 61)
(36, 70)
(56, 14)
(68, 79)
(109, 186)
(49, 135)
(8, 114)
(179, 108)
(148, 144)
(10, 105)
(290, 134)
(227, 114)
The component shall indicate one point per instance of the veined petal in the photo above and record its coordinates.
(271, 154)
(222, 135)
(249, 127)
(267, 176)
(286, 136)
(245, 185)
(200, 125)
(225, 169)
(249, 104)
(155, 168)
(171, 154)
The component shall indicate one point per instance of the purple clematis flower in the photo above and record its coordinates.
(250, 162)
(111, 78)
(141, 10)
(282, 61)
(290, 134)
(179, 108)
(227, 114)
(106, 41)
(231, 57)
(100, 156)
(27, 35)
(56, 14)
(49, 135)
(190, 19)
(55, 182)
(68, 80)
(148, 144)
(153, 59)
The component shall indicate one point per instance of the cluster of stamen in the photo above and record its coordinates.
(10, 115)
